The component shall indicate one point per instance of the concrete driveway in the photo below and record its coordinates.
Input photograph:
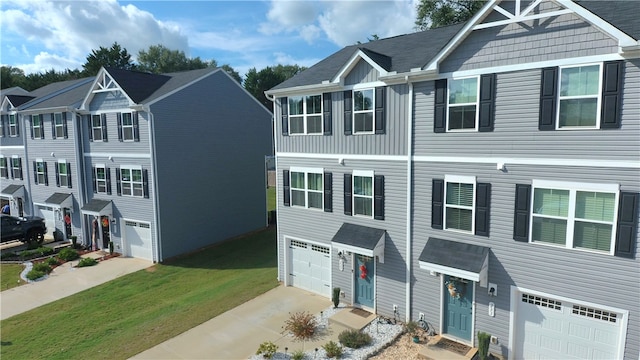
(237, 333)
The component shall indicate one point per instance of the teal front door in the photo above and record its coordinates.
(364, 281)
(458, 307)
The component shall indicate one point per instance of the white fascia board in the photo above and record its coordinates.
(623, 39)
(352, 63)
(101, 75)
(467, 275)
(304, 90)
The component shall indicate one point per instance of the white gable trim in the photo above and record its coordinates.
(339, 78)
(103, 83)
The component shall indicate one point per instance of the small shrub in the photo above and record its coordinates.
(8, 255)
(335, 297)
(36, 252)
(301, 324)
(333, 350)
(42, 267)
(354, 339)
(483, 345)
(297, 355)
(267, 349)
(87, 262)
(411, 328)
(52, 261)
(35, 274)
(68, 254)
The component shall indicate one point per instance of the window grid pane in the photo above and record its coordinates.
(463, 91)
(592, 236)
(460, 219)
(551, 202)
(548, 230)
(460, 194)
(595, 206)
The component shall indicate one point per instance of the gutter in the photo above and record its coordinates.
(409, 250)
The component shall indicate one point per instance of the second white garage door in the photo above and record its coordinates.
(137, 240)
(310, 267)
(548, 328)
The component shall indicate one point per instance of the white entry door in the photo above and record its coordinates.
(548, 328)
(310, 267)
(137, 240)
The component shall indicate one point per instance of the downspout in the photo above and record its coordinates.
(275, 158)
(25, 166)
(409, 203)
(81, 167)
(154, 177)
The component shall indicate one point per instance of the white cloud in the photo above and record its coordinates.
(45, 61)
(289, 16)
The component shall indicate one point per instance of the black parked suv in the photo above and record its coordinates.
(27, 229)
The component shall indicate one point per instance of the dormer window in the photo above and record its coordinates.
(305, 115)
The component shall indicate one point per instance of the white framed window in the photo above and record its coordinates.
(363, 111)
(4, 167)
(307, 187)
(462, 107)
(13, 125)
(41, 172)
(131, 181)
(574, 215)
(127, 127)
(101, 179)
(36, 125)
(305, 115)
(96, 127)
(58, 125)
(459, 204)
(63, 173)
(579, 96)
(16, 167)
(363, 193)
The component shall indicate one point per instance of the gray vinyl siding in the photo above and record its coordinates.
(361, 73)
(113, 145)
(393, 142)
(516, 131)
(8, 140)
(553, 270)
(562, 37)
(112, 100)
(211, 140)
(320, 226)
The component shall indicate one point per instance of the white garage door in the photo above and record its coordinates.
(47, 214)
(310, 267)
(548, 328)
(137, 240)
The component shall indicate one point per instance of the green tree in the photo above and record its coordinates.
(11, 76)
(37, 80)
(115, 57)
(436, 13)
(231, 71)
(257, 82)
(159, 59)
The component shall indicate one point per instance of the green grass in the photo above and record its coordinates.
(133, 313)
(10, 276)
(271, 198)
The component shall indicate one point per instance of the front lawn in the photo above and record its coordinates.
(10, 276)
(271, 198)
(133, 313)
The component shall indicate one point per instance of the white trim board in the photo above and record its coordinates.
(119, 155)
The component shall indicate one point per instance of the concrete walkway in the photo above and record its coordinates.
(63, 281)
(237, 333)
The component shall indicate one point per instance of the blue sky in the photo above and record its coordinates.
(38, 35)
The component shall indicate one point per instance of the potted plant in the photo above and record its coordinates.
(483, 345)
(110, 247)
(74, 241)
(336, 297)
(411, 328)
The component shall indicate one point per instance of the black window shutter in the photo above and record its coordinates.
(378, 197)
(437, 203)
(53, 126)
(440, 107)
(41, 126)
(379, 110)
(31, 123)
(286, 189)
(64, 125)
(136, 127)
(548, 99)
(119, 119)
(46, 173)
(284, 109)
(118, 184)
(107, 175)
(521, 213)
(348, 118)
(145, 183)
(94, 179)
(326, 113)
(69, 175)
(483, 201)
(57, 174)
(20, 168)
(627, 224)
(90, 122)
(328, 192)
(35, 173)
(103, 122)
(348, 202)
(611, 94)
(487, 102)
(3, 120)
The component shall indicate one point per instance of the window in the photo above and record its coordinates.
(305, 114)
(463, 103)
(362, 194)
(100, 175)
(574, 215)
(306, 188)
(97, 127)
(36, 126)
(40, 170)
(13, 126)
(127, 127)
(131, 182)
(16, 168)
(59, 125)
(459, 203)
(363, 107)
(63, 173)
(4, 168)
(579, 96)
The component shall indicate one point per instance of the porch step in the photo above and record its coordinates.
(351, 318)
(433, 352)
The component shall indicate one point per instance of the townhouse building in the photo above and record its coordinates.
(151, 165)
(480, 176)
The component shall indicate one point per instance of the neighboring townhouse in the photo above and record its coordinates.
(482, 176)
(153, 165)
